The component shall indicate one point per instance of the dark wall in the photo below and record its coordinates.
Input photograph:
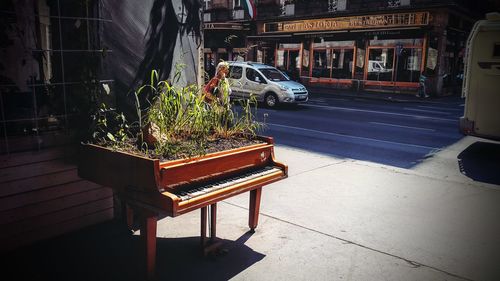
(147, 35)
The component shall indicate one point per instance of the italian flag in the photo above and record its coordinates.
(250, 7)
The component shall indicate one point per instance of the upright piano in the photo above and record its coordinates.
(153, 189)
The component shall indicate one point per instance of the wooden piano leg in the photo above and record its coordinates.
(129, 216)
(148, 236)
(126, 214)
(203, 232)
(213, 222)
(253, 216)
(209, 247)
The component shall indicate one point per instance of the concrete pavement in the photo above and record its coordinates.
(332, 219)
(402, 224)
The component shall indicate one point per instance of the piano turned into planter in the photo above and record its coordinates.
(152, 189)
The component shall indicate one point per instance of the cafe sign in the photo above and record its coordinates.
(222, 25)
(348, 23)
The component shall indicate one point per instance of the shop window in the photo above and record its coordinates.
(207, 4)
(289, 46)
(392, 42)
(342, 63)
(360, 60)
(320, 67)
(280, 59)
(336, 5)
(380, 64)
(397, 3)
(333, 63)
(409, 63)
(289, 60)
(287, 7)
(333, 44)
(305, 58)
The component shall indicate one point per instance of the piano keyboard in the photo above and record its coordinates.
(197, 190)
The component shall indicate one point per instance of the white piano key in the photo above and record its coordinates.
(186, 195)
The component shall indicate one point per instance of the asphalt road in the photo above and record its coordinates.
(399, 134)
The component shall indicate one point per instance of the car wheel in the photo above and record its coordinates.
(271, 100)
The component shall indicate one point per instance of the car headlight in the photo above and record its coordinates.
(284, 88)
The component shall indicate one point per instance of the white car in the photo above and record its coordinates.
(265, 83)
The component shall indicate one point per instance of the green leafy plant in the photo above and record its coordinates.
(177, 123)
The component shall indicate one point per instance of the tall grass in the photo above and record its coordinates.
(183, 122)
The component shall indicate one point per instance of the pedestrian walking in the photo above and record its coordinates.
(422, 89)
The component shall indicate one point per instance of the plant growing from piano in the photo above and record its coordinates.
(110, 127)
(177, 122)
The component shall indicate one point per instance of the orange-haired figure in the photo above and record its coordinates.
(213, 89)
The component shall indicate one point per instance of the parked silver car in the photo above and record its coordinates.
(266, 83)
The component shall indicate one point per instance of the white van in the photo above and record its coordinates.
(266, 83)
(481, 85)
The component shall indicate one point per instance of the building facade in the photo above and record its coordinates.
(381, 45)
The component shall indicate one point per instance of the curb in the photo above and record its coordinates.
(314, 92)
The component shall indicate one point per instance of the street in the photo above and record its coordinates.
(399, 134)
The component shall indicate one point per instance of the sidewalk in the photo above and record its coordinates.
(331, 219)
(324, 91)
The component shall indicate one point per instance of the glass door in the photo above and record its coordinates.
(409, 63)
(288, 59)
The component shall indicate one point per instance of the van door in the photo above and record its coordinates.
(482, 80)
(254, 84)
(235, 78)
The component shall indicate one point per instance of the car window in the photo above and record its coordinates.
(253, 75)
(235, 72)
(274, 74)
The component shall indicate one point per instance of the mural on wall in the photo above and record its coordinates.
(153, 34)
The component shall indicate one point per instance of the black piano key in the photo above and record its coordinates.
(199, 189)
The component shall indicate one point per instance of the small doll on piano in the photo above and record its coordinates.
(218, 87)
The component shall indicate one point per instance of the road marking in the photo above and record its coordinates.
(354, 137)
(401, 126)
(319, 103)
(441, 108)
(380, 112)
(427, 111)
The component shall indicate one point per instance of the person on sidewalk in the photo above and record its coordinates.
(218, 87)
(422, 89)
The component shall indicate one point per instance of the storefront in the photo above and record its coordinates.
(380, 51)
(223, 41)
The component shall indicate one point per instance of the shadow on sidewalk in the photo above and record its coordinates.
(109, 251)
(481, 162)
